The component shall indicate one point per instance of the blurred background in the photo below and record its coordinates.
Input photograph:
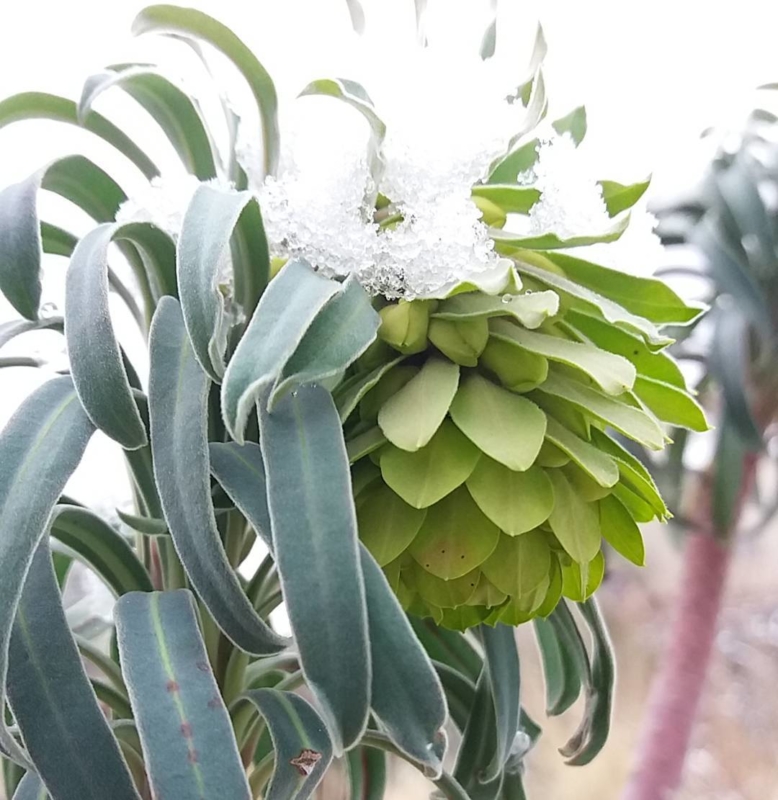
(653, 77)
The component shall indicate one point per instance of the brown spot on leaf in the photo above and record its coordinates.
(186, 730)
(306, 761)
(215, 701)
(172, 686)
(203, 666)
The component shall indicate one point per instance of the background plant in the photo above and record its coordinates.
(521, 369)
(729, 219)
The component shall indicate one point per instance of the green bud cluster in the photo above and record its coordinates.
(483, 434)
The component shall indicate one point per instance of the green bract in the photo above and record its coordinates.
(414, 466)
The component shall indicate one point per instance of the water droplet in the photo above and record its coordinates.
(506, 298)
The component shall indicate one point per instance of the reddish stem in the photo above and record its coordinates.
(678, 686)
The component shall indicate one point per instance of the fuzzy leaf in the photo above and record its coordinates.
(315, 540)
(53, 702)
(188, 744)
(178, 398)
(41, 445)
(30, 788)
(287, 309)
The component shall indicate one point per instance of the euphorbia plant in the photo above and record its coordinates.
(411, 407)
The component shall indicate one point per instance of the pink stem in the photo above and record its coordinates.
(678, 687)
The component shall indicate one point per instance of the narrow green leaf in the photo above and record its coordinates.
(203, 260)
(530, 309)
(599, 466)
(97, 544)
(591, 736)
(502, 666)
(646, 297)
(573, 124)
(620, 531)
(95, 359)
(189, 23)
(66, 734)
(10, 330)
(315, 540)
(287, 309)
(188, 743)
(509, 197)
(178, 397)
(631, 421)
(448, 647)
(659, 366)
(342, 331)
(303, 750)
(407, 697)
(150, 526)
(612, 373)
(560, 667)
(411, 417)
(516, 502)
(348, 397)
(619, 197)
(507, 242)
(670, 404)
(38, 105)
(505, 426)
(30, 788)
(522, 159)
(172, 109)
(43, 442)
(575, 523)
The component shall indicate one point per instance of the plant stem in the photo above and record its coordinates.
(678, 687)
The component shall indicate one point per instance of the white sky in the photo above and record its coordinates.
(652, 75)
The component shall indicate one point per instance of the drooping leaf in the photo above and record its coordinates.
(303, 750)
(203, 266)
(52, 700)
(185, 731)
(10, 330)
(599, 466)
(43, 442)
(560, 666)
(95, 359)
(508, 428)
(575, 523)
(407, 697)
(30, 788)
(502, 666)
(315, 539)
(98, 545)
(613, 373)
(342, 331)
(178, 397)
(658, 366)
(509, 197)
(348, 396)
(39, 105)
(150, 526)
(173, 110)
(593, 732)
(193, 24)
(411, 417)
(516, 502)
(671, 404)
(631, 421)
(366, 773)
(530, 309)
(507, 242)
(287, 309)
